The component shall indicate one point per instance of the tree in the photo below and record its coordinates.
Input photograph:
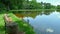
(25, 4)
(58, 6)
(12, 4)
(53, 7)
(47, 5)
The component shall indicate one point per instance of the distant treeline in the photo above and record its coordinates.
(25, 4)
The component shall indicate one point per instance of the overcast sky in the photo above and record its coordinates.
(53, 2)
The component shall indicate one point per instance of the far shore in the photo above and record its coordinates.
(34, 9)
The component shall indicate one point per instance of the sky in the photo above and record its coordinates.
(53, 2)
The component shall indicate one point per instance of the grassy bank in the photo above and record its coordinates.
(32, 9)
(2, 31)
(23, 26)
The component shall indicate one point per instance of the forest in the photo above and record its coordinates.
(25, 4)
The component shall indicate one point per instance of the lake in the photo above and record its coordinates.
(43, 22)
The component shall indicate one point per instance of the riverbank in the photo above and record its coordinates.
(23, 26)
(33, 9)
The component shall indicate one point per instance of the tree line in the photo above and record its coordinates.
(25, 4)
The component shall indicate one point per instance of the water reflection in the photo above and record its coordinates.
(33, 13)
(58, 10)
(46, 12)
(44, 22)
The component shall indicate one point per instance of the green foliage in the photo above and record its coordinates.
(12, 4)
(47, 6)
(25, 4)
(2, 6)
(53, 7)
(58, 6)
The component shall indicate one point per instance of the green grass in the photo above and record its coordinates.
(23, 26)
(2, 31)
(1, 20)
(30, 10)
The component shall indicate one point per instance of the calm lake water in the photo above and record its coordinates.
(44, 22)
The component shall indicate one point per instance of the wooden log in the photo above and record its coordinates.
(12, 28)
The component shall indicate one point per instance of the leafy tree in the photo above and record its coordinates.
(53, 7)
(47, 5)
(12, 4)
(58, 6)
